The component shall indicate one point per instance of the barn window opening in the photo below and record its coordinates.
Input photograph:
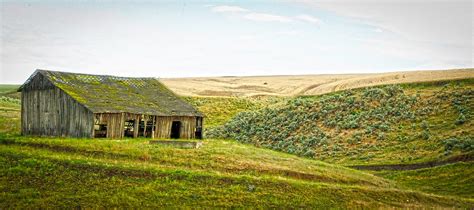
(100, 128)
(175, 129)
(129, 128)
(100, 131)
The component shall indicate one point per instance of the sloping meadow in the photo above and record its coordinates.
(377, 124)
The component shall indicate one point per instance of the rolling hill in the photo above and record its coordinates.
(60, 173)
(379, 125)
(302, 84)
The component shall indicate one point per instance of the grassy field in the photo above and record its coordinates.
(9, 91)
(50, 172)
(454, 179)
(42, 172)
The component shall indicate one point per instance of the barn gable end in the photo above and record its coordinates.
(48, 111)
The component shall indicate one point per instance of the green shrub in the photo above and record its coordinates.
(465, 144)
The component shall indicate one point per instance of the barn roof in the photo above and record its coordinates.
(111, 94)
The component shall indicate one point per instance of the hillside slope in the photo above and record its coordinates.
(454, 179)
(301, 84)
(59, 173)
(379, 125)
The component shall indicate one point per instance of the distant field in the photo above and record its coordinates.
(302, 84)
(9, 91)
(8, 88)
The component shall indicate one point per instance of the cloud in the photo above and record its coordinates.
(308, 18)
(443, 29)
(226, 8)
(247, 37)
(265, 17)
(290, 33)
(448, 22)
(262, 17)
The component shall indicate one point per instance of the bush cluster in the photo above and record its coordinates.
(299, 126)
(465, 144)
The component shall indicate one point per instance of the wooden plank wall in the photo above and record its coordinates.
(163, 127)
(48, 111)
(115, 124)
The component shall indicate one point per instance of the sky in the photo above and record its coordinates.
(233, 38)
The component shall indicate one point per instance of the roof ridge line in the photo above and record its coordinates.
(101, 75)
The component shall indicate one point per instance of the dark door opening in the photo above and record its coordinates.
(198, 132)
(175, 129)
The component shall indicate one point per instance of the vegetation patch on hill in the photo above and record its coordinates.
(387, 124)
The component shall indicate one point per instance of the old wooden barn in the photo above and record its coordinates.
(97, 106)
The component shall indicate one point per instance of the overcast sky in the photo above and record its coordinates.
(220, 38)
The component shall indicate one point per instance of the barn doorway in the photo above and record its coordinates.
(175, 129)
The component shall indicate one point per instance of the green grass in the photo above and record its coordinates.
(8, 88)
(453, 179)
(9, 91)
(9, 116)
(59, 173)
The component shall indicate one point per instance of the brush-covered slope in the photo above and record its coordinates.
(387, 124)
(59, 173)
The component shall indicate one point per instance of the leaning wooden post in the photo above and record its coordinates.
(144, 129)
(135, 126)
(153, 128)
(122, 125)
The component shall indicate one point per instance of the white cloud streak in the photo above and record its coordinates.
(264, 17)
(308, 18)
(231, 9)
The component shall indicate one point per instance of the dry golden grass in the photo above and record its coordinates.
(302, 84)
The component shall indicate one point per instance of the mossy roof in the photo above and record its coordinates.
(112, 94)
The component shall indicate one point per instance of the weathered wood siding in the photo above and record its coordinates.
(115, 123)
(163, 127)
(48, 111)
